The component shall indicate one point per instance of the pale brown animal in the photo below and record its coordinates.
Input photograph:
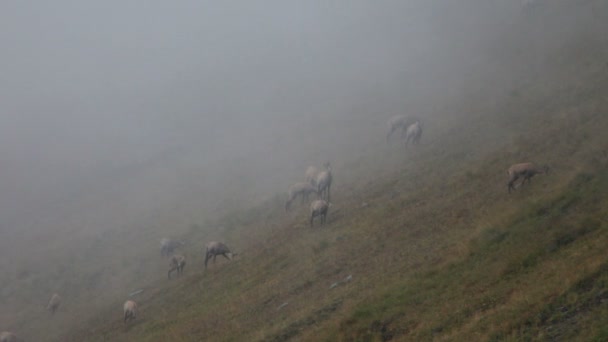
(214, 249)
(318, 208)
(177, 263)
(413, 133)
(130, 310)
(525, 171)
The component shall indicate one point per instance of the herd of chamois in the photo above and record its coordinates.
(317, 182)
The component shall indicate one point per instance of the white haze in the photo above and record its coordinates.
(92, 89)
(125, 121)
(137, 116)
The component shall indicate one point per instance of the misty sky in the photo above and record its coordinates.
(92, 86)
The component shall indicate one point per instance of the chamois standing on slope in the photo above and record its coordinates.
(324, 179)
(54, 303)
(130, 310)
(525, 171)
(177, 263)
(318, 208)
(399, 122)
(301, 189)
(413, 133)
(214, 249)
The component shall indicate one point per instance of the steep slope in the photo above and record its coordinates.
(435, 246)
(424, 244)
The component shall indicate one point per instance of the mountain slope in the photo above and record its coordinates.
(421, 244)
(436, 247)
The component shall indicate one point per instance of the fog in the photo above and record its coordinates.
(116, 113)
(92, 90)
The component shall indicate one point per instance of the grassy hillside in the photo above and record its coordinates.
(434, 246)
(421, 244)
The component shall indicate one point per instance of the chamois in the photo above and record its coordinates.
(311, 175)
(324, 179)
(318, 208)
(130, 310)
(177, 263)
(54, 303)
(525, 171)
(214, 249)
(413, 133)
(167, 246)
(299, 189)
(397, 122)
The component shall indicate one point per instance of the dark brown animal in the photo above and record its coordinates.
(214, 249)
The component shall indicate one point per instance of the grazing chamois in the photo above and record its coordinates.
(130, 310)
(214, 249)
(525, 171)
(177, 263)
(318, 208)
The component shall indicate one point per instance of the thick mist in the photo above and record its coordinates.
(144, 116)
(93, 90)
(143, 103)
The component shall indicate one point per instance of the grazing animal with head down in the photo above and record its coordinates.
(177, 263)
(525, 171)
(324, 179)
(399, 122)
(413, 133)
(7, 336)
(214, 249)
(318, 208)
(168, 246)
(301, 189)
(130, 310)
(54, 303)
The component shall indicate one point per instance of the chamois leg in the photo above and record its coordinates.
(207, 258)
(511, 183)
